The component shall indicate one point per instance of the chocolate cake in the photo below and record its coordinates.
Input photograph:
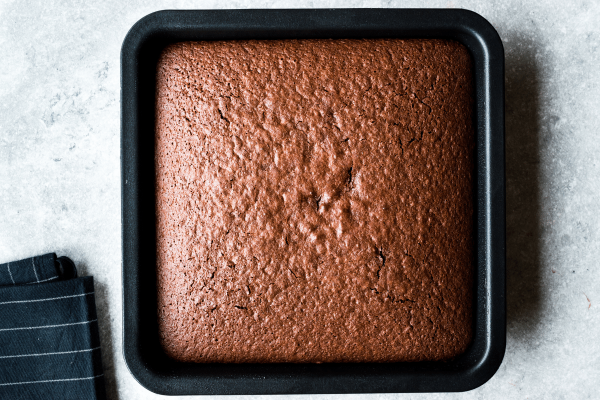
(314, 200)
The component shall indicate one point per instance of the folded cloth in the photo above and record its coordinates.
(49, 342)
(38, 269)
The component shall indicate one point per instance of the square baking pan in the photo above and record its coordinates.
(142, 350)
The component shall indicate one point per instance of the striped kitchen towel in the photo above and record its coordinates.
(49, 342)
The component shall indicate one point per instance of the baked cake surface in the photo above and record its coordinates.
(314, 200)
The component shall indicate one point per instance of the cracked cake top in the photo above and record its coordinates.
(314, 200)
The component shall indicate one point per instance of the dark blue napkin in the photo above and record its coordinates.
(49, 342)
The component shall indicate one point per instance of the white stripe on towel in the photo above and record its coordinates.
(47, 326)
(10, 273)
(50, 354)
(34, 271)
(43, 280)
(48, 299)
(52, 380)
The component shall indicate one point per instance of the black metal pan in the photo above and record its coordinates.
(143, 354)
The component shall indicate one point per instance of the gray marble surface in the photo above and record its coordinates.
(60, 183)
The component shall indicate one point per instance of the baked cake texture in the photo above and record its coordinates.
(315, 200)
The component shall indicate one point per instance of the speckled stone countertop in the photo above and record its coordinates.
(60, 176)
